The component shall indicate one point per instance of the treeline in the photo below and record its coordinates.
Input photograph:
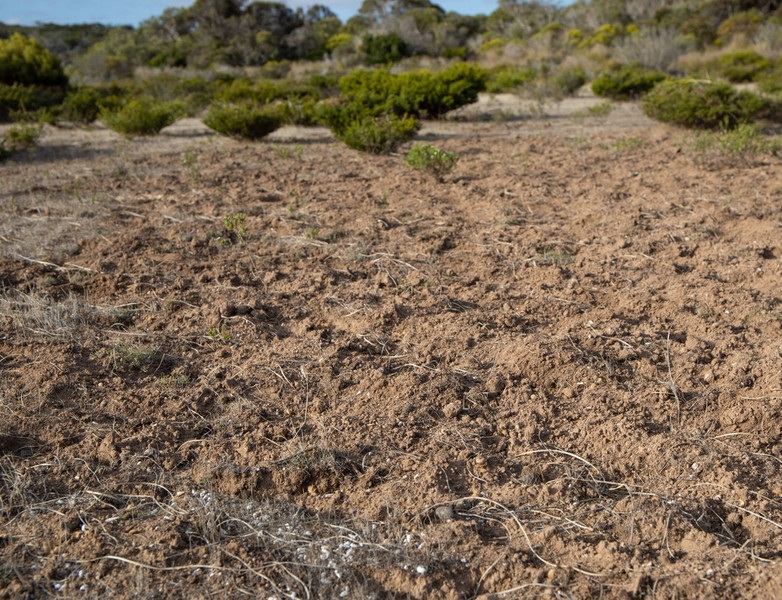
(237, 33)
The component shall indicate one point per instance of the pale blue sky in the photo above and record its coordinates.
(132, 12)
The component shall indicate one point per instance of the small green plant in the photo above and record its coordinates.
(746, 142)
(234, 224)
(21, 137)
(132, 357)
(703, 104)
(432, 160)
(312, 233)
(626, 83)
(286, 152)
(245, 120)
(224, 333)
(191, 163)
(628, 144)
(598, 110)
(140, 116)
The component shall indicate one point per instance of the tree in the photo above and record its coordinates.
(24, 61)
(381, 15)
(521, 19)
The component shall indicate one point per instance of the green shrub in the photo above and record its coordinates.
(19, 138)
(31, 77)
(361, 129)
(508, 79)
(244, 121)
(450, 89)
(24, 61)
(626, 83)
(743, 65)
(140, 116)
(245, 89)
(770, 82)
(300, 112)
(17, 99)
(746, 142)
(569, 81)
(22, 137)
(703, 104)
(418, 93)
(383, 49)
(81, 105)
(432, 160)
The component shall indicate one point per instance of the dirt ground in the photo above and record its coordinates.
(555, 373)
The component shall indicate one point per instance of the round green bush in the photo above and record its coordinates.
(626, 83)
(743, 65)
(362, 129)
(703, 104)
(380, 135)
(433, 160)
(140, 116)
(509, 79)
(244, 121)
(24, 61)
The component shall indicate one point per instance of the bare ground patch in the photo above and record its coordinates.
(558, 371)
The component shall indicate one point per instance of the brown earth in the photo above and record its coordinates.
(557, 372)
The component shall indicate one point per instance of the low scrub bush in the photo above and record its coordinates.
(140, 116)
(770, 82)
(432, 160)
(22, 137)
(703, 104)
(569, 81)
(245, 120)
(81, 105)
(19, 138)
(626, 83)
(507, 79)
(418, 93)
(742, 66)
(17, 99)
(362, 130)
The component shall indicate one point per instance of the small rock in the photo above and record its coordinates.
(495, 385)
(452, 409)
(444, 513)
(707, 376)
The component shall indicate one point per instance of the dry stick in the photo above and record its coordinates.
(665, 534)
(524, 533)
(54, 266)
(671, 380)
(523, 586)
(564, 452)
